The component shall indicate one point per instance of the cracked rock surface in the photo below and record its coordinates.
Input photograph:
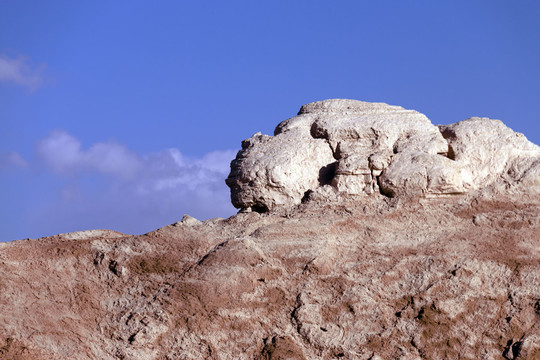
(352, 147)
(385, 278)
(443, 264)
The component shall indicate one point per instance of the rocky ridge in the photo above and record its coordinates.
(366, 232)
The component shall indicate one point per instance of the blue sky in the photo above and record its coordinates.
(125, 114)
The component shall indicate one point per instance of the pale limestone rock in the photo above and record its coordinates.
(415, 173)
(378, 148)
(357, 277)
(187, 220)
(277, 171)
(88, 234)
(487, 151)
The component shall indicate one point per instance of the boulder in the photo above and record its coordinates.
(273, 171)
(490, 153)
(362, 148)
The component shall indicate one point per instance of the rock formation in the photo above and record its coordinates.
(375, 235)
(353, 147)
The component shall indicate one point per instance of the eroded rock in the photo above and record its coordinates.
(361, 148)
(277, 171)
(384, 278)
(440, 277)
(487, 151)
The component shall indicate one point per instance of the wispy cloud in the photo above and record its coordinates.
(106, 185)
(18, 71)
(12, 160)
(63, 154)
(169, 169)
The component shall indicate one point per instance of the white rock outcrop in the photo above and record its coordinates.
(349, 274)
(490, 153)
(271, 171)
(353, 147)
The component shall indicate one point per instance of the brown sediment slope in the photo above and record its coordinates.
(362, 265)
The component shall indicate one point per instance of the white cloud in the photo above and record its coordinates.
(217, 160)
(18, 71)
(62, 153)
(169, 169)
(106, 185)
(111, 158)
(12, 160)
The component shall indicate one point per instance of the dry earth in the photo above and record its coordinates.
(453, 278)
(422, 242)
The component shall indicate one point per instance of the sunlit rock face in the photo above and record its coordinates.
(376, 235)
(343, 147)
(273, 171)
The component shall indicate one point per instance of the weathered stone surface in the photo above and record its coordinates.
(350, 273)
(277, 171)
(487, 151)
(378, 278)
(378, 148)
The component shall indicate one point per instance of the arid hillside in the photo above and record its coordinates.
(398, 240)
